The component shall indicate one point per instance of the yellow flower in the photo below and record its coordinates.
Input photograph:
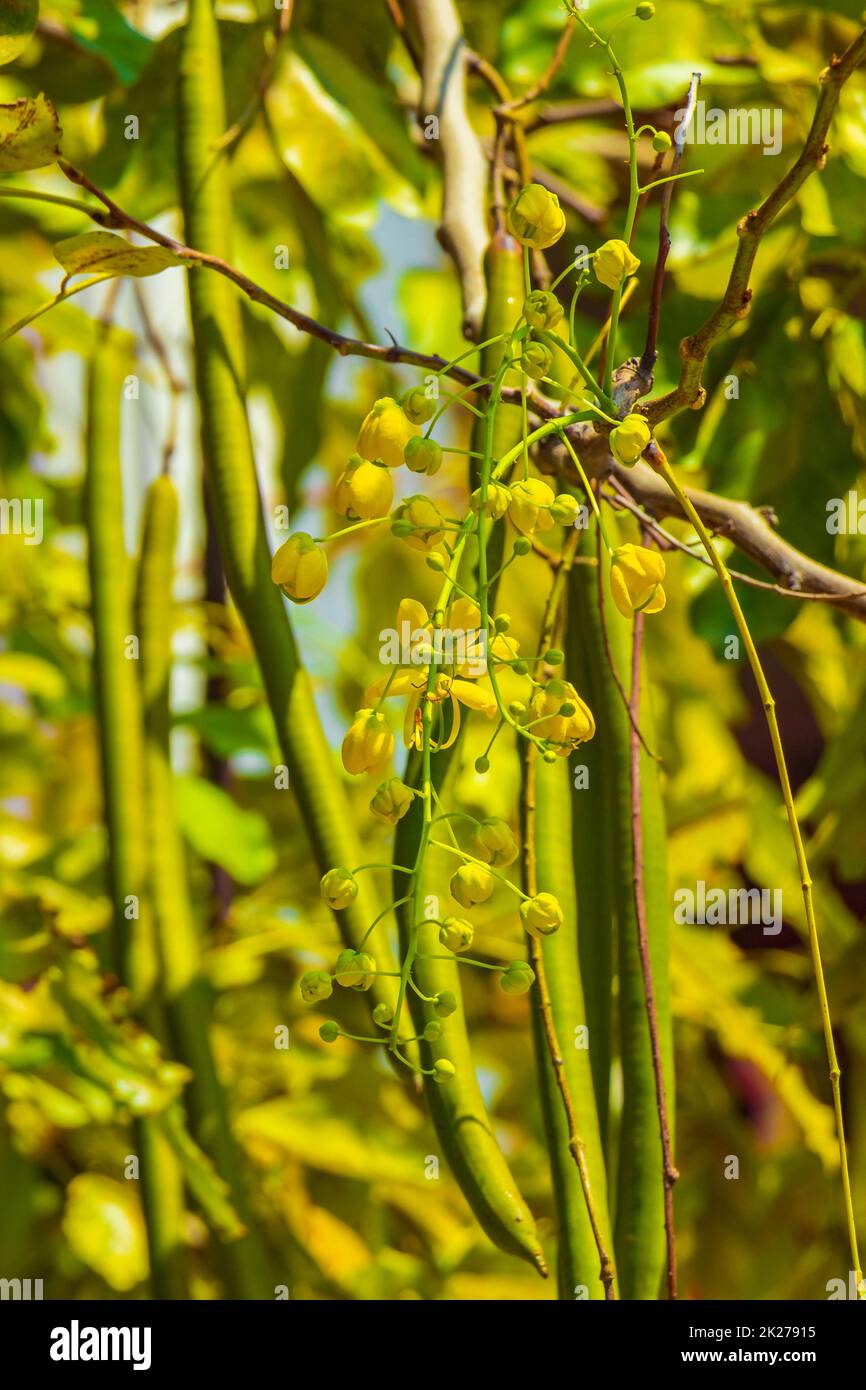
(529, 506)
(535, 217)
(368, 744)
(363, 490)
(300, 567)
(471, 884)
(614, 263)
(576, 725)
(541, 915)
(385, 433)
(419, 522)
(392, 801)
(636, 575)
(316, 985)
(629, 438)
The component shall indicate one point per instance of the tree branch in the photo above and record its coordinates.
(735, 303)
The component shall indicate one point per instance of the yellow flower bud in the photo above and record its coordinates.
(368, 744)
(423, 455)
(300, 567)
(566, 730)
(385, 433)
(536, 360)
(316, 985)
(421, 514)
(541, 915)
(443, 1071)
(338, 888)
(496, 504)
(629, 438)
(565, 509)
(471, 884)
(636, 575)
(614, 263)
(494, 843)
(535, 217)
(529, 506)
(364, 490)
(392, 801)
(418, 407)
(518, 978)
(456, 933)
(355, 969)
(541, 309)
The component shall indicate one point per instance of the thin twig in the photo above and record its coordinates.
(648, 358)
(669, 1172)
(735, 302)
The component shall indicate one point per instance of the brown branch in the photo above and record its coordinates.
(647, 361)
(532, 93)
(735, 303)
(463, 229)
(666, 541)
(669, 1172)
(746, 526)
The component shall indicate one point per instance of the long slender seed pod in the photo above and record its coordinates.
(230, 465)
(118, 709)
(186, 993)
(559, 1014)
(639, 1227)
(459, 1114)
(578, 1254)
(591, 847)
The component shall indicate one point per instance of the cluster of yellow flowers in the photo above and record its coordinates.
(488, 676)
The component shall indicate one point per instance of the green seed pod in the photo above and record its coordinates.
(329, 1031)
(541, 309)
(417, 406)
(445, 1004)
(316, 985)
(355, 969)
(536, 360)
(518, 978)
(482, 765)
(443, 1070)
(456, 933)
(423, 455)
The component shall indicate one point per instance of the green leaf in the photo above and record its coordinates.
(223, 832)
(29, 134)
(17, 22)
(93, 252)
